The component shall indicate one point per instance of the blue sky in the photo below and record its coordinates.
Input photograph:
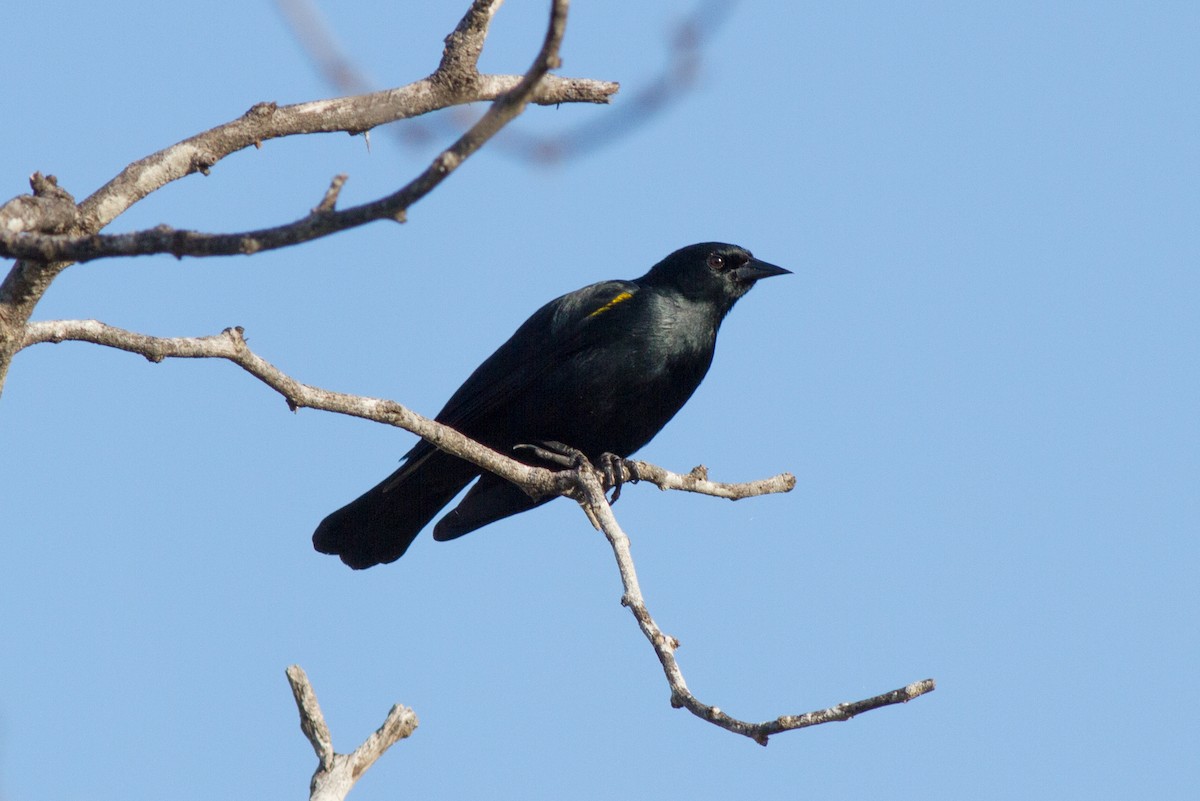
(983, 374)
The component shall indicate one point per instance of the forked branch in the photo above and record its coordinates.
(585, 484)
(47, 231)
(456, 81)
(597, 508)
(336, 773)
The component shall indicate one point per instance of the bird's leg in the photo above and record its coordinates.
(556, 453)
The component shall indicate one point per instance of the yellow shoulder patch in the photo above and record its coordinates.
(618, 299)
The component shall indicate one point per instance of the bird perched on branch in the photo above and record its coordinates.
(601, 369)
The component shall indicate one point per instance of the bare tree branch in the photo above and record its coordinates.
(231, 345)
(464, 45)
(456, 81)
(697, 481)
(591, 497)
(337, 773)
(583, 483)
(63, 236)
(32, 229)
(312, 721)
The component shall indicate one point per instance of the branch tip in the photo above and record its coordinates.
(329, 201)
(312, 721)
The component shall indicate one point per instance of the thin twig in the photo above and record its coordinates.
(697, 481)
(329, 201)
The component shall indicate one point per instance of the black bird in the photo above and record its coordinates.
(601, 369)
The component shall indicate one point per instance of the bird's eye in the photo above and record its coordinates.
(716, 261)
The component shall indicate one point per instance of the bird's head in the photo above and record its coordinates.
(711, 271)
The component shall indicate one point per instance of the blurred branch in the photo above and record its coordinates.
(685, 51)
(337, 773)
(584, 483)
(314, 35)
(47, 234)
(687, 43)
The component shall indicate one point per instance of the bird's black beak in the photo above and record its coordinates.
(754, 269)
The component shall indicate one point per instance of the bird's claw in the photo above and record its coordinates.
(612, 467)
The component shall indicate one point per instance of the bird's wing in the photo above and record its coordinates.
(563, 326)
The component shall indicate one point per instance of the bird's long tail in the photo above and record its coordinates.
(379, 526)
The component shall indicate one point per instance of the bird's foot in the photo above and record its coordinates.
(555, 453)
(614, 469)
